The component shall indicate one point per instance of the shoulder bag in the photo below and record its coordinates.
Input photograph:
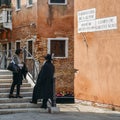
(13, 67)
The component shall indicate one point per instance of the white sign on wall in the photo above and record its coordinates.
(87, 21)
(106, 23)
(87, 26)
(89, 14)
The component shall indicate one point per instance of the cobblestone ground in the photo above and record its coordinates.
(67, 112)
(61, 116)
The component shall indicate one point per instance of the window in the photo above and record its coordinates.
(17, 45)
(30, 48)
(57, 2)
(29, 3)
(9, 16)
(9, 50)
(18, 4)
(5, 2)
(58, 47)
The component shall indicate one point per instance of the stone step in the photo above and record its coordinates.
(23, 89)
(9, 81)
(19, 105)
(8, 85)
(5, 72)
(6, 80)
(22, 110)
(24, 94)
(16, 105)
(15, 100)
(6, 76)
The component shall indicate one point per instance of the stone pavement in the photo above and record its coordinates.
(67, 112)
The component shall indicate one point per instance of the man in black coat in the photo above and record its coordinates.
(44, 84)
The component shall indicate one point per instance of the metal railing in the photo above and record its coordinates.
(3, 59)
(32, 64)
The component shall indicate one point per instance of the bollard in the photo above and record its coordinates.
(53, 108)
(54, 94)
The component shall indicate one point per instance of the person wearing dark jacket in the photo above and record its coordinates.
(43, 88)
(18, 76)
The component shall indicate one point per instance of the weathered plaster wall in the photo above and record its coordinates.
(98, 78)
(51, 22)
(22, 20)
(57, 21)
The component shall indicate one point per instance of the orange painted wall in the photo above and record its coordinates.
(98, 75)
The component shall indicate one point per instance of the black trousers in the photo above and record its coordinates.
(45, 100)
(44, 103)
(17, 89)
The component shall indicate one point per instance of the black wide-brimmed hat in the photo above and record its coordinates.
(48, 57)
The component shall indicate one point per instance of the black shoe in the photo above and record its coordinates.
(33, 102)
(11, 96)
(18, 96)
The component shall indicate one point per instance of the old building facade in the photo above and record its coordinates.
(56, 30)
(46, 26)
(60, 28)
(5, 22)
(97, 56)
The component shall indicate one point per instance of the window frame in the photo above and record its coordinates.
(28, 48)
(18, 6)
(60, 38)
(49, 2)
(9, 49)
(9, 16)
(17, 41)
(28, 4)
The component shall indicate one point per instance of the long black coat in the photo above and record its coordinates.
(44, 84)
